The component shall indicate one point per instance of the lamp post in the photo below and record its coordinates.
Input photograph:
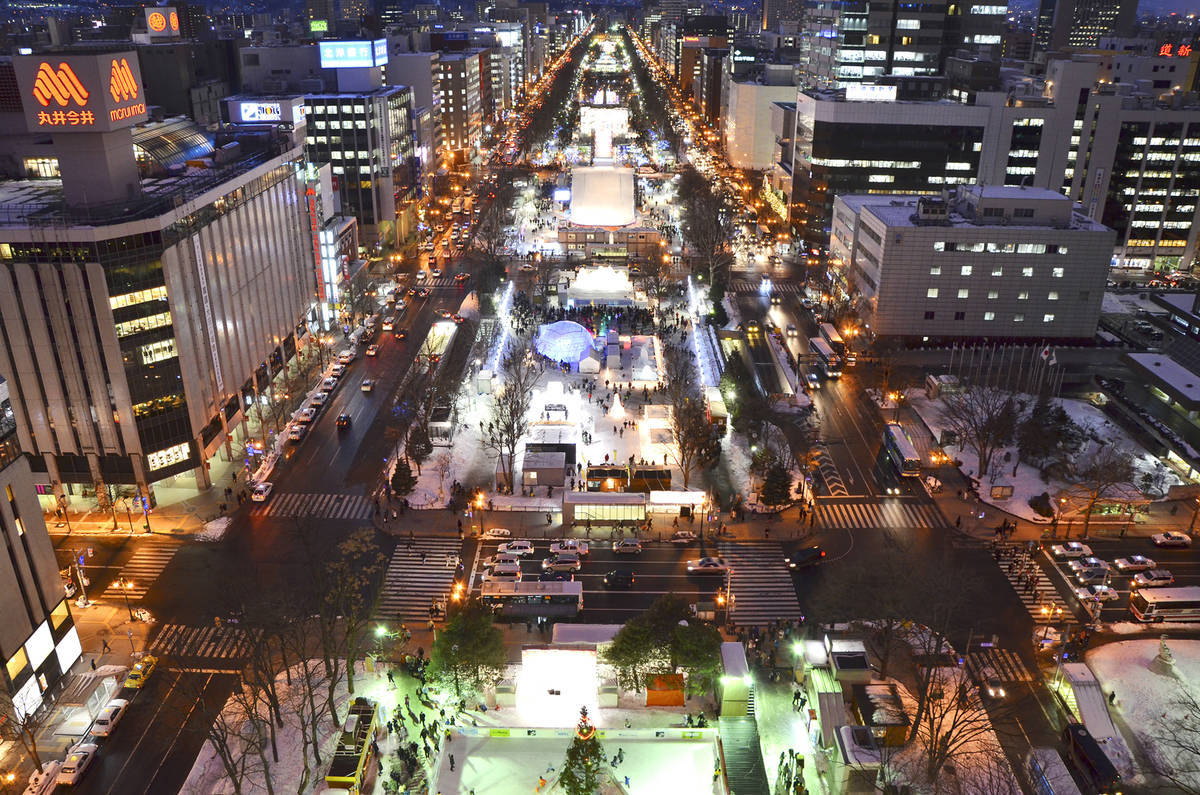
(128, 516)
(126, 585)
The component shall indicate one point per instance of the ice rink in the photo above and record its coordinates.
(511, 765)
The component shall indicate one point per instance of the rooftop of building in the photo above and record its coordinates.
(185, 166)
(900, 210)
(1171, 374)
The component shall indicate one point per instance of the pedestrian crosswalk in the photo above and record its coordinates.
(441, 281)
(1033, 585)
(419, 573)
(761, 583)
(1003, 664)
(208, 643)
(318, 506)
(140, 571)
(886, 514)
(743, 287)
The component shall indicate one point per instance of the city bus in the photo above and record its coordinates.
(901, 451)
(1089, 759)
(829, 362)
(533, 598)
(830, 334)
(1166, 604)
(1048, 775)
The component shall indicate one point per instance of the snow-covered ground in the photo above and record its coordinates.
(1128, 303)
(508, 765)
(1027, 480)
(1146, 707)
(216, 529)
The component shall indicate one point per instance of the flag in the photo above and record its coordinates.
(1045, 353)
(1053, 359)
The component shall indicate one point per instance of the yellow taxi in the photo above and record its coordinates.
(140, 672)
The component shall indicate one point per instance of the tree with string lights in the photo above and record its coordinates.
(584, 765)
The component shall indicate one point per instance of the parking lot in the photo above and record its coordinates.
(1184, 565)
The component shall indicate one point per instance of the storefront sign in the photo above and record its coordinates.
(81, 93)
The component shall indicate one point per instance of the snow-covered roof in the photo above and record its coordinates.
(603, 498)
(584, 633)
(733, 659)
(1089, 700)
(1182, 381)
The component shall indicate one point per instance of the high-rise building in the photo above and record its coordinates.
(779, 11)
(746, 115)
(978, 262)
(38, 639)
(462, 102)
(1082, 23)
(149, 294)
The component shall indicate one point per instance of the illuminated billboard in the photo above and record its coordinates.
(162, 21)
(81, 93)
(352, 54)
(318, 26)
(261, 111)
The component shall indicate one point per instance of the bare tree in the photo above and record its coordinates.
(1175, 753)
(656, 279)
(983, 418)
(519, 373)
(696, 440)
(350, 596)
(707, 226)
(22, 726)
(1105, 475)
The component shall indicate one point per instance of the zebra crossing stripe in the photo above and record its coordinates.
(323, 506)
(416, 577)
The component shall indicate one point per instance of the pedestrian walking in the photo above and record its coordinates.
(104, 646)
(451, 763)
(94, 665)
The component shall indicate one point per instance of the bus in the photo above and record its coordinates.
(829, 362)
(1090, 760)
(1166, 604)
(437, 341)
(1048, 775)
(830, 335)
(901, 451)
(534, 599)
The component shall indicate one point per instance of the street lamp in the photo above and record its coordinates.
(126, 585)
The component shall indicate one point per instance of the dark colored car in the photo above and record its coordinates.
(621, 578)
(808, 556)
(343, 421)
(400, 334)
(554, 576)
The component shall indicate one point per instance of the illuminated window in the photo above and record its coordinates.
(143, 324)
(16, 664)
(1023, 295)
(1052, 296)
(158, 351)
(1057, 273)
(932, 292)
(997, 271)
(1018, 318)
(1027, 271)
(963, 292)
(59, 614)
(993, 295)
(966, 270)
(936, 270)
(165, 458)
(139, 297)
(1047, 318)
(989, 315)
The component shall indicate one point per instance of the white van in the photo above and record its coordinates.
(504, 572)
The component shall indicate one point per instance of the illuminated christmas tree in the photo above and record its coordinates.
(584, 765)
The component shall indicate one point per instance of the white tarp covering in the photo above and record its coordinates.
(602, 196)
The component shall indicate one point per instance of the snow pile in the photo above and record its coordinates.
(215, 530)
(1148, 707)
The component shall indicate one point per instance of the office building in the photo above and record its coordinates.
(1082, 23)
(978, 262)
(422, 73)
(145, 301)
(38, 639)
(776, 12)
(746, 117)
(706, 91)
(189, 78)
(462, 101)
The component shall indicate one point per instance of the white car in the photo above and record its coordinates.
(565, 562)
(497, 533)
(569, 545)
(109, 717)
(329, 384)
(337, 370)
(435, 272)
(627, 546)
(1134, 563)
(78, 760)
(306, 415)
(319, 399)
(367, 385)
(1071, 549)
(420, 274)
(1088, 564)
(262, 491)
(297, 431)
(1101, 592)
(1171, 538)
(500, 557)
(683, 537)
(516, 548)
(708, 566)
(345, 357)
(1155, 578)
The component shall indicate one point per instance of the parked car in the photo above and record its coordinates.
(329, 384)
(1071, 549)
(1171, 538)
(1134, 563)
(140, 672)
(682, 537)
(108, 718)
(1154, 578)
(318, 399)
(297, 431)
(504, 572)
(619, 579)
(345, 357)
(337, 370)
(262, 491)
(627, 546)
(78, 760)
(497, 533)
(518, 547)
(500, 557)
(564, 562)
(569, 545)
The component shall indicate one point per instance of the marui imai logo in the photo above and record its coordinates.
(60, 86)
(121, 84)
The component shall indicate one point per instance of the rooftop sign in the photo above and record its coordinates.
(81, 93)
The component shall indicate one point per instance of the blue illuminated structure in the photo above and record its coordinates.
(565, 341)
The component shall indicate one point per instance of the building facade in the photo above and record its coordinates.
(990, 262)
